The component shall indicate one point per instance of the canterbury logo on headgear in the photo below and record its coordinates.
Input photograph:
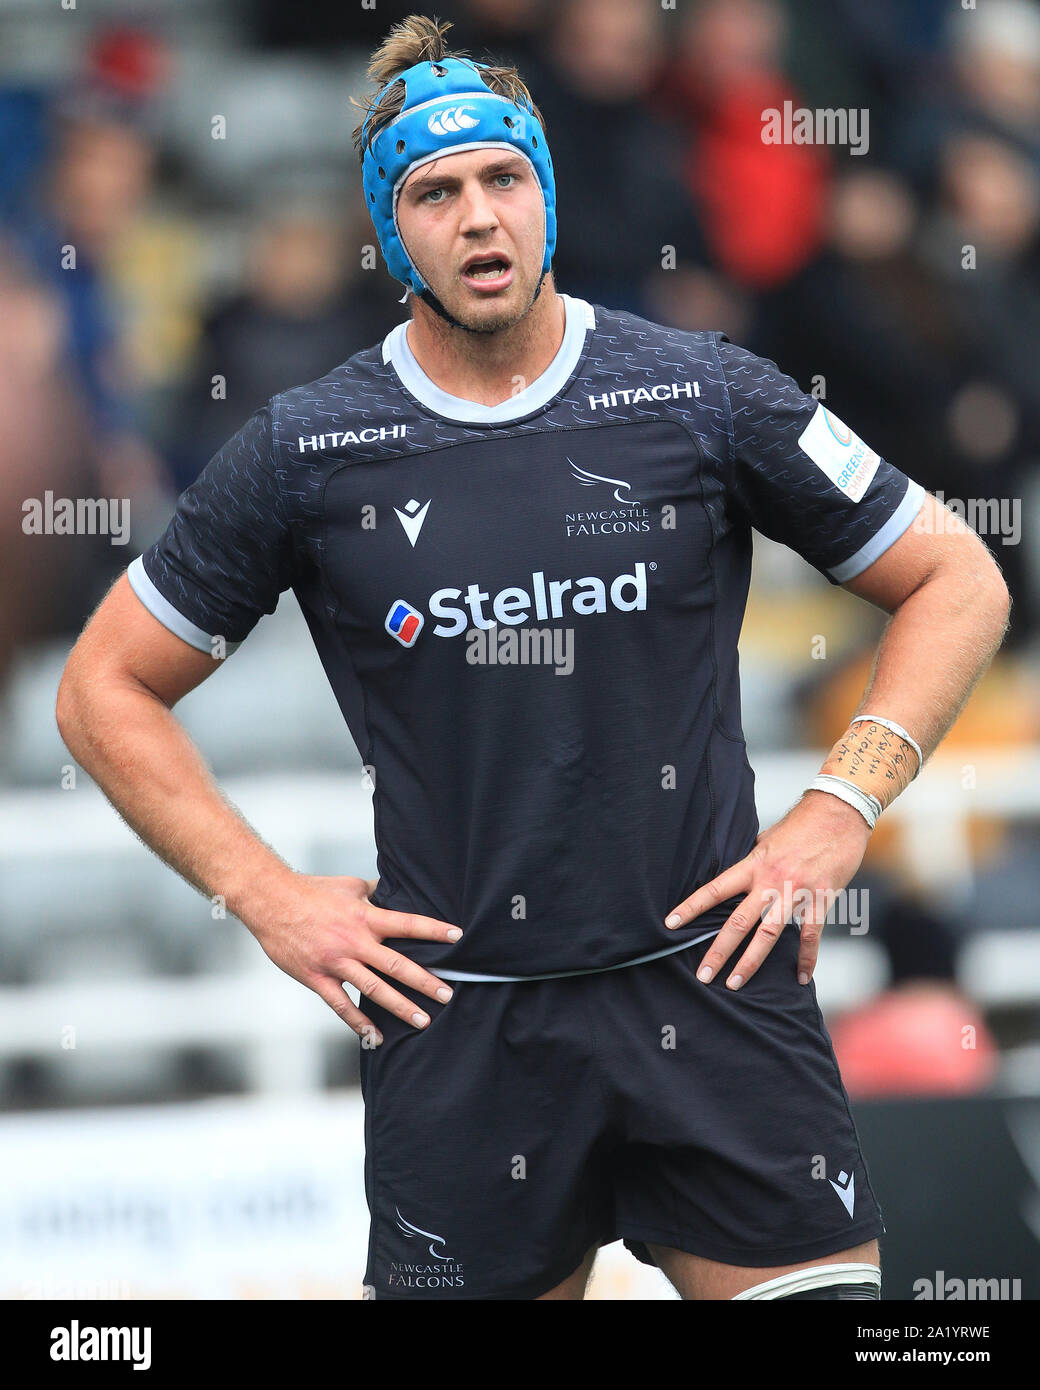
(453, 118)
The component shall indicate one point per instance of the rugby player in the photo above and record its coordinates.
(584, 976)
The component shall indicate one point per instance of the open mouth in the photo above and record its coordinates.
(487, 271)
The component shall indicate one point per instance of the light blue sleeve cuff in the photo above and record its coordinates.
(163, 609)
(893, 528)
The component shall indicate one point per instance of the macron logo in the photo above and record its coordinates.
(845, 1187)
(412, 518)
(452, 118)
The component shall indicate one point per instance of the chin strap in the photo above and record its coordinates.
(428, 297)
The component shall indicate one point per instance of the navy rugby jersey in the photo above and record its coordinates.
(529, 615)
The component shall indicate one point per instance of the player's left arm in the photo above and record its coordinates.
(948, 608)
(801, 476)
(949, 605)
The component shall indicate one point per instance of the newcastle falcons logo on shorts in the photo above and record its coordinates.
(412, 1231)
(441, 1271)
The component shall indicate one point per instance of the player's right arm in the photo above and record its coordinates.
(115, 712)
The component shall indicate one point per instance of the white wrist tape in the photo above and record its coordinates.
(868, 806)
(896, 729)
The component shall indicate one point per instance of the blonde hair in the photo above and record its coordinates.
(418, 39)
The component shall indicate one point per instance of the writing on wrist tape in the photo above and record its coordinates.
(896, 729)
(876, 757)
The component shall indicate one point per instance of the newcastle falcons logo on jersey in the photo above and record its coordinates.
(631, 515)
(587, 478)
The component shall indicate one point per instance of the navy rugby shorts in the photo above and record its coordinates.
(532, 1120)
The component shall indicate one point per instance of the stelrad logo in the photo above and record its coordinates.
(403, 622)
(514, 605)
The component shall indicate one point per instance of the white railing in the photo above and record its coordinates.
(282, 1027)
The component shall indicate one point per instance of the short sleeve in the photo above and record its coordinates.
(226, 555)
(801, 476)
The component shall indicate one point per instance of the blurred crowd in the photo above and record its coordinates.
(182, 235)
(150, 299)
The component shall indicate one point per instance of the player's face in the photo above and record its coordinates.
(464, 209)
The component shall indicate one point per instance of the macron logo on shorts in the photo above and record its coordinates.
(404, 622)
(845, 1187)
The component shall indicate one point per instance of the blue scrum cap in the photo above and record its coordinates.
(448, 108)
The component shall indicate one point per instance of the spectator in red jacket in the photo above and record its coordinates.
(761, 205)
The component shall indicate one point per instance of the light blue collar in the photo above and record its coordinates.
(581, 317)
